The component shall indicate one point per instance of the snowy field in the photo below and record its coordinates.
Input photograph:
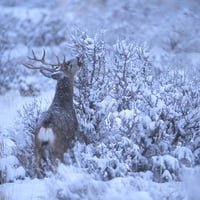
(144, 136)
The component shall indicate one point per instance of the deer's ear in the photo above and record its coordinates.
(57, 75)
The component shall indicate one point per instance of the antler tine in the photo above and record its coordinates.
(60, 64)
(64, 59)
(42, 60)
(58, 60)
(34, 56)
(43, 56)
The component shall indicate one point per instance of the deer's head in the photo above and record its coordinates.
(59, 70)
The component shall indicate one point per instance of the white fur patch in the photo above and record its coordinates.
(46, 135)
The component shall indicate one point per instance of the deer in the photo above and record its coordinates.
(57, 127)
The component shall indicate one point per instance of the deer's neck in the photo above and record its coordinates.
(64, 93)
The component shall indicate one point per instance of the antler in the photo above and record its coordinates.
(53, 67)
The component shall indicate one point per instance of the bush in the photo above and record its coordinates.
(10, 168)
(25, 137)
(29, 87)
(128, 116)
(91, 87)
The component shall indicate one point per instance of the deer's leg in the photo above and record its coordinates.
(39, 158)
(37, 162)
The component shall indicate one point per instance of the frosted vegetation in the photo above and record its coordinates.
(136, 98)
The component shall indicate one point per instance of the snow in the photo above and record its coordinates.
(12, 102)
(184, 153)
(73, 183)
(171, 30)
(27, 189)
(192, 183)
(10, 165)
(6, 142)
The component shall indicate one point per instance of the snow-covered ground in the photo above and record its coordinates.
(171, 30)
(74, 183)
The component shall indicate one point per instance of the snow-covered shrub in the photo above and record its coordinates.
(166, 176)
(130, 71)
(196, 150)
(10, 168)
(165, 168)
(104, 160)
(30, 114)
(127, 102)
(138, 103)
(28, 87)
(181, 96)
(91, 87)
(184, 155)
(1, 147)
(74, 183)
(135, 99)
(98, 101)
(28, 118)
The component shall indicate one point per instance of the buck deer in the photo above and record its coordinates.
(57, 126)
